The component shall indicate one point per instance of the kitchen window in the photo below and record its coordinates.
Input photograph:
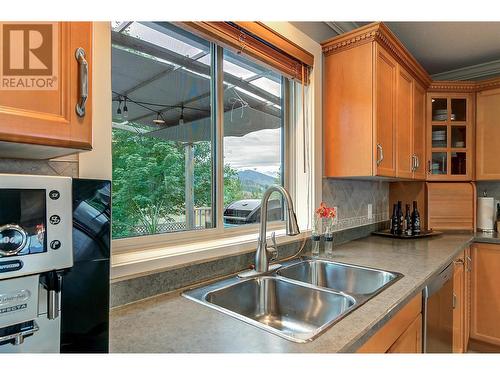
(198, 133)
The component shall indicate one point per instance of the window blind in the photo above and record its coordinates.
(257, 41)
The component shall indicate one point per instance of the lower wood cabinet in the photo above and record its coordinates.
(485, 293)
(401, 334)
(467, 297)
(459, 304)
(411, 339)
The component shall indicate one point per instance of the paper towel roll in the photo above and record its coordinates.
(485, 213)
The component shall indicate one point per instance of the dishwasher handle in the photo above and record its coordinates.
(439, 281)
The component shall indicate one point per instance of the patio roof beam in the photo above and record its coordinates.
(123, 26)
(162, 74)
(196, 66)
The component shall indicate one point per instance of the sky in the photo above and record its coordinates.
(259, 151)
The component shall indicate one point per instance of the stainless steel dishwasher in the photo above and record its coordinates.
(438, 313)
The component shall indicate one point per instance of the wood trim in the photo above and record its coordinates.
(279, 41)
(242, 42)
(453, 86)
(380, 33)
(493, 83)
(383, 339)
(464, 86)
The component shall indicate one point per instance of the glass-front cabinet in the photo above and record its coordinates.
(450, 136)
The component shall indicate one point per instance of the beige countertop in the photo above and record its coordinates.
(172, 323)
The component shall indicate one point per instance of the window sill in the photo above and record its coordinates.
(141, 262)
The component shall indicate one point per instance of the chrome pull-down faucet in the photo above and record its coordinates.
(292, 228)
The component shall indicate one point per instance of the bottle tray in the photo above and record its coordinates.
(423, 233)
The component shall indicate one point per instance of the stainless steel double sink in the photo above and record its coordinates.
(300, 299)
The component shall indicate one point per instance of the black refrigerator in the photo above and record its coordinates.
(85, 296)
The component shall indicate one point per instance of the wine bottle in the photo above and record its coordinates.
(498, 218)
(415, 220)
(408, 224)
(394, 219)
(400, 219)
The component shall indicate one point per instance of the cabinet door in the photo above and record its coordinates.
(348, 113)
(419, 131)
(388, 335)
(488, 135)
(450, 136)
(385, 86)
(47, 116)
(467, 297)
(485, 312)
(411, 339)
(458, 304)
(404, 124)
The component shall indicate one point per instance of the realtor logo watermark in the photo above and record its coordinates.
(29, 56)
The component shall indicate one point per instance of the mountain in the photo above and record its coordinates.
(254, 183)
(255, 177)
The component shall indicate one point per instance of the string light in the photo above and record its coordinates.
(119, 109)
(158, 120)
(125, 109)
(181, 119)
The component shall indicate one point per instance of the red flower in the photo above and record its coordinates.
(324, 211)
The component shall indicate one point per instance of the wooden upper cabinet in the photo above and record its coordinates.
(369, 80)
(43, 122)
(385, 98)
(419, 96)
(404, 131)
(348, 113)
(450, 136)
(488, 135)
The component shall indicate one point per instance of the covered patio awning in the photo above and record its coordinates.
(162, 75)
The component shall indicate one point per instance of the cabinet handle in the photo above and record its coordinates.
(429, 171)
(469, 263)
(417, 162)
(381, 153)
(454, 302)
(459, 261)
(83, 81)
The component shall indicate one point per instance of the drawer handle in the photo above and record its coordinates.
(18, 337)
(83, 81)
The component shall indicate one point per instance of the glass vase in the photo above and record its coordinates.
(329, 240)
(315, 244)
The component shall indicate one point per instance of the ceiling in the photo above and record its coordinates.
(439, 46)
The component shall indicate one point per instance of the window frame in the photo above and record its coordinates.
(162, 240)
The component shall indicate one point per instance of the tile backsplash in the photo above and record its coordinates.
(351, 197)
(66, 166)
